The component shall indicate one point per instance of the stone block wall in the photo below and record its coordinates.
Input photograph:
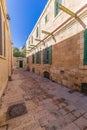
(5, 47)
(67, 66)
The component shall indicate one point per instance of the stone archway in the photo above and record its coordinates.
(46, 74)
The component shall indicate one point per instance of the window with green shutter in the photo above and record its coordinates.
(47, 55)
(85, 47)
(31, 39)
(56, 9)
(44, 56)
(37, 32)
(33, 59)
(50, 55)
(38, 57)
(46, 19)
(0, 33)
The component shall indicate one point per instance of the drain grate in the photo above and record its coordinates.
(16, 110)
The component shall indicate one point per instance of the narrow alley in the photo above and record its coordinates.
(31, 102)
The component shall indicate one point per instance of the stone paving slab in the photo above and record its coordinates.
(81, 123)
(49, 106)
(71, 126)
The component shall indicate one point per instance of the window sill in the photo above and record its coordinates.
(83, 67)
(57, 16)
(2, 57)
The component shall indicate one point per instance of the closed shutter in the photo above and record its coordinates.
(37, 32)
(33, 58)
(38, 57)
(56, 7)
(0, 33)
(85, 47)
(50, 55)
(44, 56)
(46, 19)
(59, 2)
(31, 39)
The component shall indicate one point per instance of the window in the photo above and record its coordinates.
(47, 55)
(46, 19)
(85, 47)
(4, 39)
(31, 39)
(38, 57)
(0, 33)
(37, 32)
(29, 42)
(33, 59)
(56, 9)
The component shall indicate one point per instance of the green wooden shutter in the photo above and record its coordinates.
(31, 39)
(59, 2)
(46, 19)
(37, 32)
(56, 7)
(44, 57)
(0, 33)
(36, 57)
(40, 57)
(33, 58)
(85, 47)
(50, 55)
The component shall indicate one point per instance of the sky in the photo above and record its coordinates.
(24, 15)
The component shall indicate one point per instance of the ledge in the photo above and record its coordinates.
(83, 67)
(2, 57)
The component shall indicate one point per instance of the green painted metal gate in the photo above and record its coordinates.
(20, 64)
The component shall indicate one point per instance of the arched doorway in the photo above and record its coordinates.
(46, 75)
(20, 64)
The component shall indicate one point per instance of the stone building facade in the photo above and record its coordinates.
(57, 46)
(5, 47)
(19, 62)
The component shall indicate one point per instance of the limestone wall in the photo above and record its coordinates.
(5, 47)
(16, 61)
(67, 66)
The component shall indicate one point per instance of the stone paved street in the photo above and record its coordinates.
(49, 106)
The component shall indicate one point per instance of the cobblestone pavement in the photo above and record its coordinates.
(49, 106)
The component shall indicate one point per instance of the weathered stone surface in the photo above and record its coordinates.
(81, 123)
(51, 113)
(71, 126)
